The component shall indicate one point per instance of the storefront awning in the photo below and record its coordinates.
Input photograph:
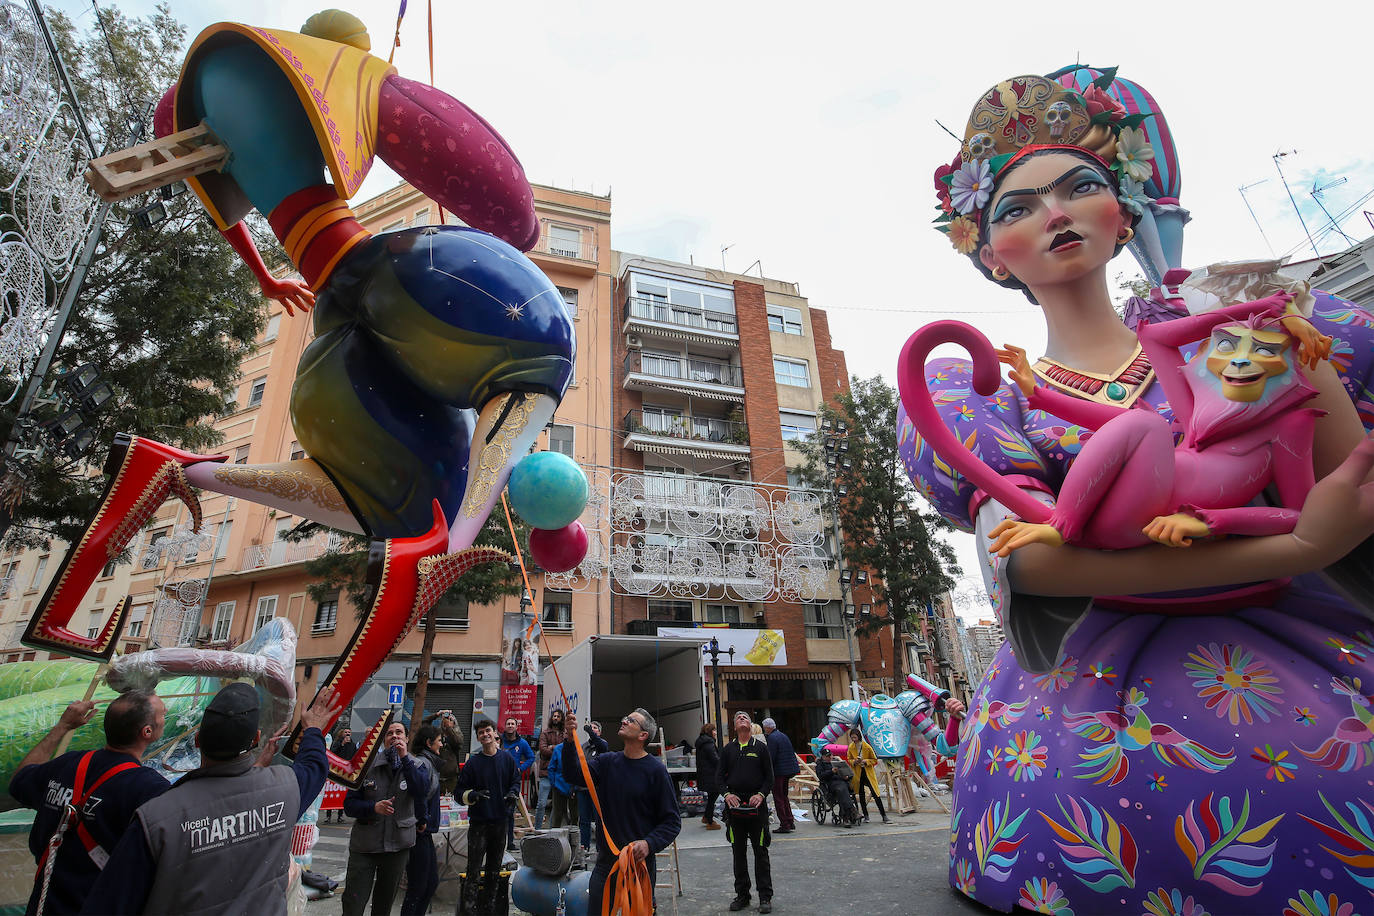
(763, 674)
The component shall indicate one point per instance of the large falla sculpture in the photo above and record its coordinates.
(1191, 658)
(440, 352)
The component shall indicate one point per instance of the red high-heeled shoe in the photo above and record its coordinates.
(406, 577)
(142, 473)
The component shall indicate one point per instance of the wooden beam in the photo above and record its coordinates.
(158, 162)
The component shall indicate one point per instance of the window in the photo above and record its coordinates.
(791, 372)
(38, 571)
(267, 609)
(392, 227)
(241, 455)
(108, 570)
(797, 426)
(784, 319)
(565, 241)
(720, 613)
(224, 616)
(823, 621)
(256, 392)
(683, 303)
(297, 453)
(93, 630)
(794, 478)
(557, 610)
(135, 622)
(152, 554)
(561, 439)
(192, 551)
(273, 327)
(222, 539)
(569, 299)
(451, 612)
(421, 217)
(7, 580)
(326, 615)
(672, 611)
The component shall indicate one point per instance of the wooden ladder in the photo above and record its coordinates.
(159, 162)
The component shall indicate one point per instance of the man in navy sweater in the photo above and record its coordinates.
(785, 766)
(487, 784)
(638, 805)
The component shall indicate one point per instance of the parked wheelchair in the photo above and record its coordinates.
(834, 803)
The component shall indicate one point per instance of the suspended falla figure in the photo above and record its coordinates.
(439, 352)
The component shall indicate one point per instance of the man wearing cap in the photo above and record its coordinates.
(833, 776)
(785, 766)
(219, 840)
(105, 786)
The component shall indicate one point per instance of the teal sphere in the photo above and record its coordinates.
(548, 490)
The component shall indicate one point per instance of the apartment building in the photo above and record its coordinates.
(986, 638)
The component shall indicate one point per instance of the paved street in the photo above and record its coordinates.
(818, 870)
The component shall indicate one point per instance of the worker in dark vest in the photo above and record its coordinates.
(746, 775)
(103, 787)
(219, 840)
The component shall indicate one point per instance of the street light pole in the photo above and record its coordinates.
(832, 461)
(712, 649)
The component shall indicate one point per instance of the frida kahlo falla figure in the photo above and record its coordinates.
(1181, 725)
(440, 352)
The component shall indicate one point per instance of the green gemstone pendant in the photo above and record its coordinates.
(1116, 391)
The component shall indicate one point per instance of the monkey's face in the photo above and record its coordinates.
(1244, 360)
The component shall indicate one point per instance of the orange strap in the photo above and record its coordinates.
(634, 892)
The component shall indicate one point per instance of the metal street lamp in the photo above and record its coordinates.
(712, 649)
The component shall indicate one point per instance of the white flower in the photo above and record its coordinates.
(1133, 196)
(1134, 153)
(972, 186)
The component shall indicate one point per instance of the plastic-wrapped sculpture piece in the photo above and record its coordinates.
(1166, 730)
(440, 352)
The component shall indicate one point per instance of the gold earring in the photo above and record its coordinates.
(1124, 239)
(1000, 274)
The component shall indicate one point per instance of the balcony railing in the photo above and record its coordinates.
(685, 369)
(578, 250)
(662, 312)
(281, 552)
(6, 584)
(682, 426)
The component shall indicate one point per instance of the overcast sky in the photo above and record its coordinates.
(803, 135)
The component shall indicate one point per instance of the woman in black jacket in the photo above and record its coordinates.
(708, 760)
(422, 869)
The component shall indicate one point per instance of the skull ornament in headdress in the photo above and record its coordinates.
(980, 145)
(1057, 118)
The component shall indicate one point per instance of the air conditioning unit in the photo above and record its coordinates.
(633, 340)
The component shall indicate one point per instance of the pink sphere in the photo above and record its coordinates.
(559, 550)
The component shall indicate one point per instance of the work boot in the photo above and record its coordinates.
(738, 904)
(713, 826)
(765, 906)
(886, 819)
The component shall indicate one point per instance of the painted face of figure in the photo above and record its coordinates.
(1245, 360)
(1052, 219)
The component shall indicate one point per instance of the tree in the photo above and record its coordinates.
(166, 313)
(343, 570)
(884, 530)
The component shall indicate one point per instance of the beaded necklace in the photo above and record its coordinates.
(1119, 388)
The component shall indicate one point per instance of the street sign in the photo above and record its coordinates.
(396, 694)
(478, 704)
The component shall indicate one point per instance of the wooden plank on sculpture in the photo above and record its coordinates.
(158, 162)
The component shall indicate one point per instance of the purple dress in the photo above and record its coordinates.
(1206, 755)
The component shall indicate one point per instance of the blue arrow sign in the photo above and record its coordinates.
(396, 694)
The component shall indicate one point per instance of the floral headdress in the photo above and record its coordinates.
(1023, 115)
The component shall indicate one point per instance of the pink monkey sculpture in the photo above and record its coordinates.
(1238, 401)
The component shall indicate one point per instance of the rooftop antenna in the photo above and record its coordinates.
(1277, 156)
(1243, 189)
(723, 249)
(1316, 193)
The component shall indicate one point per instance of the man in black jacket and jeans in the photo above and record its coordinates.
(488, 785)
(746, 775)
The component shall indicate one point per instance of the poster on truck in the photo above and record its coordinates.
(752, 647)
(519, 670)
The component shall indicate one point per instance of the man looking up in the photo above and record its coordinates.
(487, 785)
(638, 805)
(746, 775)
(219, 841)
(114, 784)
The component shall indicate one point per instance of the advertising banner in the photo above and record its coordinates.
(752, 647)
(519, 670)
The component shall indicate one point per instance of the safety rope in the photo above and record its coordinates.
(634, 892)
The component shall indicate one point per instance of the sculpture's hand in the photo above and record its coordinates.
(1313, 345)
(1014, 534)
(1015, 358)
(1177, 530)
(1339, 512)
(289, 293)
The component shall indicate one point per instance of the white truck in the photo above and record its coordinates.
(605, 677)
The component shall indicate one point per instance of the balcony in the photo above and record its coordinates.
(281, 553)
(702, 437)
(578, 255)
(693, 376)
(656, 317)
